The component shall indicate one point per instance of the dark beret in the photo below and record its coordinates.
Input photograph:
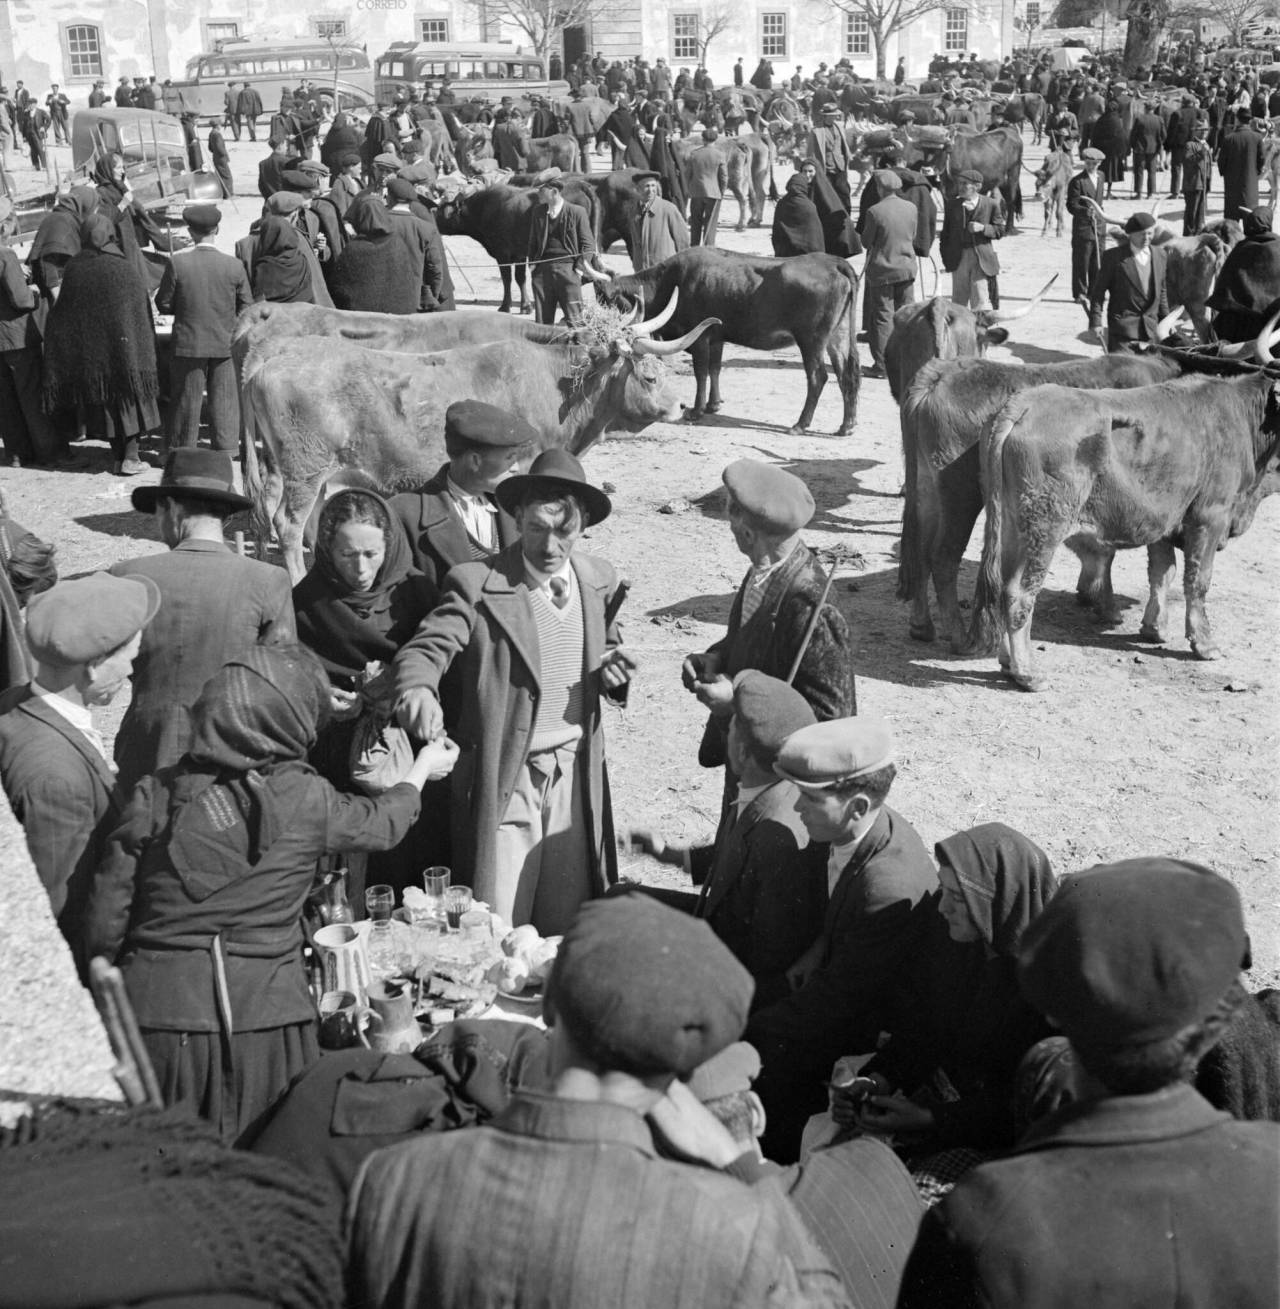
(777, 498)
(768, 711)
(1135, 951)
(1140, 222)
(299, 182)
(203, 216)
(350, 160)
(646, 990)
(478, 423)
(399, 191)
(970, 175)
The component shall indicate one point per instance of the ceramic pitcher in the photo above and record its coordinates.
(346, 964)
(392, 1026)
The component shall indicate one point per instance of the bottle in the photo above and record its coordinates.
(334, 905)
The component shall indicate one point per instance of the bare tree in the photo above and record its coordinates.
(885, 17)
(1234, 15)
(1147, 22)
(713, 23)
(542, 21)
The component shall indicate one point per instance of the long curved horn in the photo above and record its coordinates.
(1028, 307)
(1237, 350)
(1106, 218)
(662, 348)
(1169, 322)
(1154, 211)
(1266, 339)
(632, 314)
(652, 325)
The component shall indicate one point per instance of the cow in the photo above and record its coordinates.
(1192, 265)
(939, 329)
(499, 218)
(1028, 107)
(617, 200)
(749, 165)
(945, 412)
(320, 405)
(924, 109)
(763, 304)
(996, 155)
(1052, 178)
(559, 151)
(1182, 464)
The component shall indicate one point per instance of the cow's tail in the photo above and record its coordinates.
(909, 572)
(984, 628)
(255, 485)
(852, 363)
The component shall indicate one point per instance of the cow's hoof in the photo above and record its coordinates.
(1027, 681)
(1151, 635)
(755, 222)
(922, 632)
(504, 309)
(692, 415)
(714, 408)
(1206, 652)
(797, 429)
(846, 430)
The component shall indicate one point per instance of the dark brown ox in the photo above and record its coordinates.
(320, 406)
(944, 414)
(749, 167)
(763, 304)
(996, 155)
(560, 151)
(1183, 463)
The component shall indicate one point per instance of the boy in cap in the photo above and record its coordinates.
(658, 229)
(205, 291)
(533, 640)
(216, 605)
(970, 222)
(576, 1206)
(1088, 227)
(769, 623)
(1197, 169)
(83, 635)
(762, 884)
(880, 883)
(1131, 281)
(1141, 1193)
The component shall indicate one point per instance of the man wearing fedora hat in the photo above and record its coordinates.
(658, 230)
(206, 291)
(216, 605)
(83, 635)
(827, 144)
(1131, 281)
(533, 641)
(1139, 1192)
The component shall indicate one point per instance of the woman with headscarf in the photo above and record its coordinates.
(797, 229)
(663, 161)
(1110, 137)
(342, 138)
(946, 1077)
(361, 601)
(1244, 296)
(374, 271)
(100, 346)
(58, 239)
(134, 226)
(281, 270)
(200, 896)
(839, 236)
(628, 151)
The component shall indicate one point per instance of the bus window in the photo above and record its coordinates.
(235, 68)
(495, 70)
(391, 68)
(515, 70)
(293, 64)
(349, 59)
(214, 68)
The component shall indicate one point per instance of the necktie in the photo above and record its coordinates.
(559, 592)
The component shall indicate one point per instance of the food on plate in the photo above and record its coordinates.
(520, 943)
(510, 976)
(543, 958)
(461, 987)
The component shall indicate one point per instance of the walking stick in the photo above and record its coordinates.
(813, 623)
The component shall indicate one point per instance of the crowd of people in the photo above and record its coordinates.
(831, 1067)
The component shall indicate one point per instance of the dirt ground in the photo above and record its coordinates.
(1134, 750)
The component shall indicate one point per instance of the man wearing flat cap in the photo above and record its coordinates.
(889, 234)
(1088, 227)
(216, 605)
(417, 230)
(880, 885)
(658, 229)
(561, 253)
(1131, 282)
(205, 291)
(564, 1199)
(272, 169)
(771, 622)
(83, 635)
(970, 223)
(762, 884)
(1140, 1193)
(531, 640)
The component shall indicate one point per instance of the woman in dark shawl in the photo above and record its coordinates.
(200, 895)
(621, 126)
(797, 229)
(1109, 136)
(58, 239)
(1244, 296)
(839, 236)
(374, 142)
(100, 346)
(374, 270)
(361, 601)
(342, 138)
(135, 227)
(957, 1041)
(281, 270)
(663, 161)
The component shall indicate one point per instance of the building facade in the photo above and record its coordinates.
(74, 42)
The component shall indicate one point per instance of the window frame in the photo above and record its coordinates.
(774, 44)
(949, 15)
(853, 34)
(677, 37)
(209, 26)
(319, 21)
(424, 19)
(65, 30)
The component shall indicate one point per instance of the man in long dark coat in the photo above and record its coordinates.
(1240, 161)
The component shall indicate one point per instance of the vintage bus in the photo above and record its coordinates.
(341, 71)
(484, 70)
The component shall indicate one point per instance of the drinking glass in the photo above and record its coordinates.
(457, 901)
(435, 881)
(380, 901)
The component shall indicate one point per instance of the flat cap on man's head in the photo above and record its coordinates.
(418, 171)
(350, 160)
(312, 167)
(830, 109)
(777, 499)
(283, 203)
(299, 182)
(399, 191)
(388, 160)
(478, 423)
(550, 184)
(840, 750)
(646, 990)
(205, 217)
(886, 180)
(646, 177)
(80, 621)
(768, 711)
(970, 175)
(1133, 952)
(1090, 153)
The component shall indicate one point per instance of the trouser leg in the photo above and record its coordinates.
(711, 220)
(564, 878)
(187, 387)
(224, 406)
(1082, 263)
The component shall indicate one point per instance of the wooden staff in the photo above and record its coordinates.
(813, 623)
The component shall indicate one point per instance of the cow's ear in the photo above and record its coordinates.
(990, 336)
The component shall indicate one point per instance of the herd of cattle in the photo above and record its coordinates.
(1172, 448)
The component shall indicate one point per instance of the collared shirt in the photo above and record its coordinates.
(748, 793)
(541, 581)
(573, 1208)
(754, 584)
(77, 715)
(478, 513)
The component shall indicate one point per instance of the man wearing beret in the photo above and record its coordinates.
(563, 1199)
(1131, 281)
(83, 635)
(531, 640)
(216, 605)
(658, 230)
(205, 291)
(1140, 1193)
(770, 623)
(880, 883)
(762, 884)
(970, 222)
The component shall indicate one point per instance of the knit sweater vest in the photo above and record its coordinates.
(561, 702)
